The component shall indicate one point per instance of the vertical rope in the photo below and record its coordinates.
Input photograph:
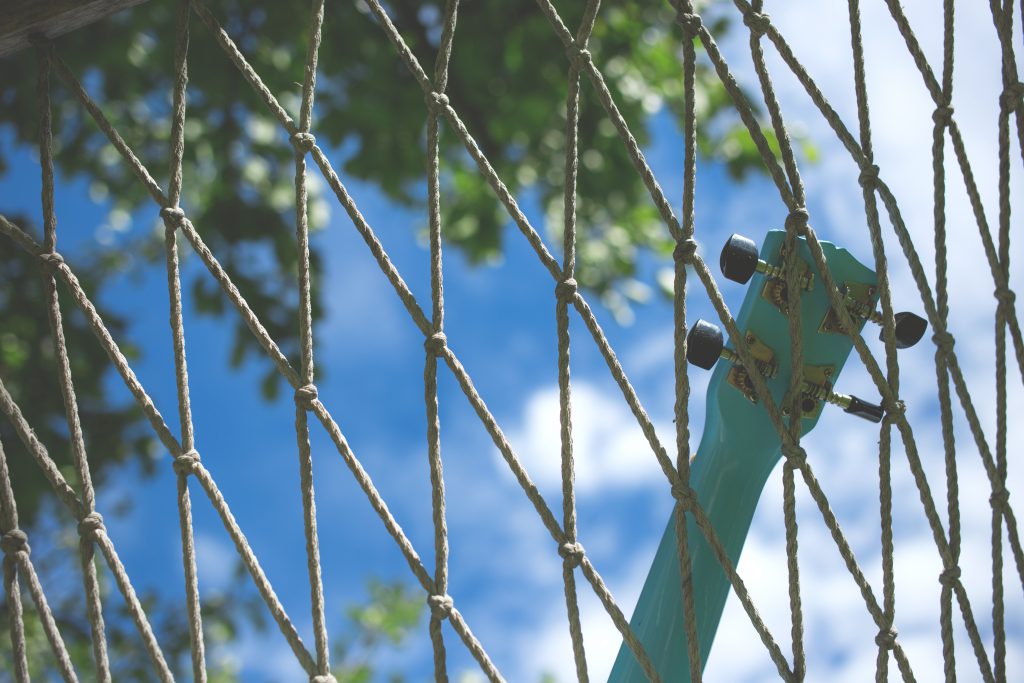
(94, 607)
(793, 567)
(685, 250)
(868, 177)
(12, 542)
(942, 117)
(565, 292)
(1004, 300)
(435, 345)
(171, 214)
(758, 23)
(306, 395)
(791, 191)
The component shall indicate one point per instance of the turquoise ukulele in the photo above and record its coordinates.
(740, 446)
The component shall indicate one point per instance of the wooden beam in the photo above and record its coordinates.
(20, 19)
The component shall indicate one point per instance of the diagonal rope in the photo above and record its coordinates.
(90, 527)
(787, 179)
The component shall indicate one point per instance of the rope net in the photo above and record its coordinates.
(194, 478)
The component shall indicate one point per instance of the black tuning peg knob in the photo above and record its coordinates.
(739, 259)
(910, 328)
(739, 262)
(704, 344)
(861, 408)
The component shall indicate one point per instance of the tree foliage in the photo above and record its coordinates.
(507, 82)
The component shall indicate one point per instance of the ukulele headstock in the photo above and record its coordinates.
(765, 327)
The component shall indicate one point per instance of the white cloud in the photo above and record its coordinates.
(549, 647)
(609, 448)
(215, 560)
(843, 452)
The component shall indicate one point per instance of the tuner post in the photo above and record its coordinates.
(850, 404)
(910, 327)
(739, 261)
(705, 344)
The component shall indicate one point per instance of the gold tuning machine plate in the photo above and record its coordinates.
(764, 357)
(774, 290)
(859, 300)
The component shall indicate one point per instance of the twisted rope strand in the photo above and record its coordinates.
(681, 368)
(942, 350)
(12, 587)
(436, 343)
(171, 218)
(94, 607)
(888, 329)
(303, 142)
(53, 637)
(566, 291)
(789, 184)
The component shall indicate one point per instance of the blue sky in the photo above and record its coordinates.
(505, 574)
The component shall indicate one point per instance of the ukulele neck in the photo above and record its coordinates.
(728, 488)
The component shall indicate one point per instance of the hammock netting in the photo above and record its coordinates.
(98, 552)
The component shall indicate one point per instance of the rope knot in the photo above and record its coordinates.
(757, 22)
(690, 23)
(323, 678)
(572, 553)
(950, 576)
(174, 217)
(886, 638)
(51, 260)
(685, 496)
(1000, 498)
(893, 409)
(436, 343)
(15, 541)
(943, 115)
(441, 606)
(868, 177)
(305, 395)
(303, 142)
(185, 464)
(944, 341)
(566, 289)
(578, 57)
(797, 220)
(1012, 97)
(91, 525)
(795, 455)
(1005, 296)
(685, 250)
(437, 102)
